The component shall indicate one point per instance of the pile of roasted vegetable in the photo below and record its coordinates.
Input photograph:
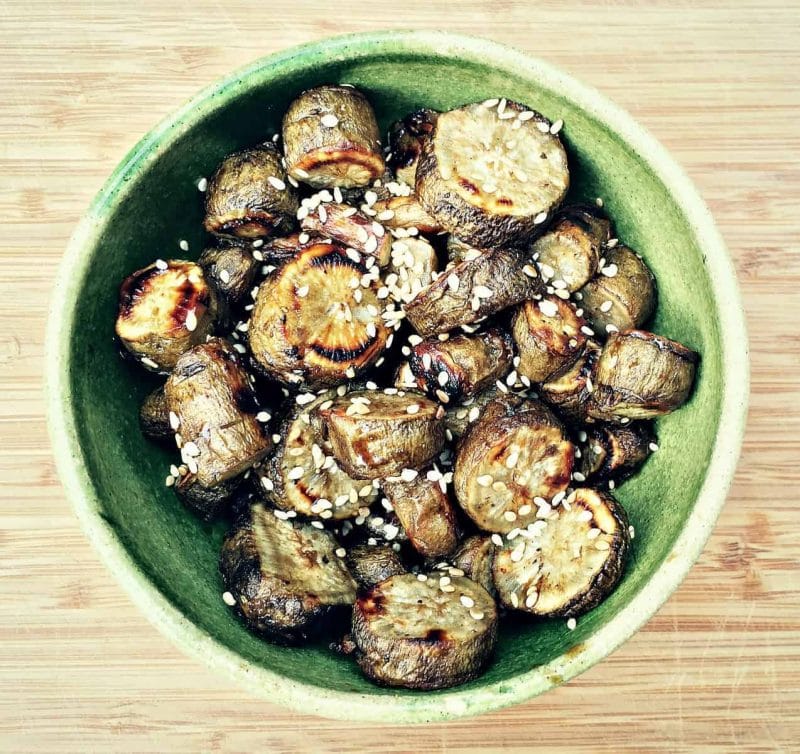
(410, 378)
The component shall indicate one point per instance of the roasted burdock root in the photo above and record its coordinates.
(475, 557)
(331, 138)
(569, 562)
(622, 296)
(375, 435)
(569, 252)
(640, 375)
(492, 174)
(154, 416)
(315, 321)
(426, 513)
(509, 463)
(302, 475)
(164, 309)
(405, 212)
(371, 564)
(350, 227)
(615, 452)
(219, 424)
(459, 416)
(462, 365)
(426, 635)
(284, 579)
(472, 290)
(570, 392)
(549, 336)
(406, 138)
(207, 503)
(231, 269)
(249, 196)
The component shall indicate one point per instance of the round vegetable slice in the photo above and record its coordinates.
(615, 452)
(548, 335)
(331, 138)
(510, 461)
(375, 434)
(473, 289)
(462, 365)
(405, 212)
(492, 174)
(569, 251)
(570, 392)
(216, 413)
(566, 563)
(302, 475)
(284, 579)
(459, 416)
(622, 296)
(640, 375)
(428, 634)
(475, 557)
(249, 197)
(406, 137)
(371, 564)
(231, 269)
(315, 320)
(350, 227)
(164, 309)
(426, 513)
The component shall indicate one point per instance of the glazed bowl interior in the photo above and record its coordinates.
(168, 559)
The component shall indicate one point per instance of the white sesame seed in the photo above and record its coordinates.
(228, 599)
(485, 480)
(514, 600)
(611, 484)
(497, 540)
(476, 614)
(571, 624)
(578, 477)
(540, 218)
(611, 328)
(548, 308)
(184, 244)
(510, 516)
(467, 601)
(412, 408)
(556, 127)
(512, 460)
(296, 473)
(631, 532)
(610, 270)
(408, 475)
(161, 264)
(329, 120)
(601, 544)
(421, 577)
(481, 291)
(586, 330)
(276, 183)
(490, 103)
(191, 320)
(653, 447)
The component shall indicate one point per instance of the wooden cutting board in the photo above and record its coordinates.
(717, 670)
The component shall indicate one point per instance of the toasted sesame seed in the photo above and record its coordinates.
(548, 308)
(263, 416)
(467, 601)
(540, 218)
(610, 270)
(611, 328)
(512, 460)
(485, 480)
(228, 599)
(490, 103)
(586, 330)
(191, 320)
(631, 532)
(497, 540)
(571, 624)
(578, 476)
(174, 421)
(184, 244)
(412, 408)
(421, 577)
(510, 516)
(329, 120)
(276, 183)
(442, 396)
(296, 473)
(514, 600)
(556, 127)
(530, 271)
(447, 588)
(481, 291)
(611, 484)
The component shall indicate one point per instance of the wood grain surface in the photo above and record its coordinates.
(717, 670)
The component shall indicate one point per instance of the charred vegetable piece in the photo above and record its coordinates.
(207, 503)
(622, 296)
(285, 579)
(475, 557)
(405, 212)
(302, 475)
(459, 417)
(428, 634)
(154, 416)
(406, 137)
(217, 413)
(164, 309)
(282, 249)
(472, 290)
(331, 138)
(640, 375)
(570, 250)
(615, 452)
(492, 174)
(413, 263)
(427, 515)
(375, 435)
(371, 564)
(548, 337)
(249, 196)
(509, 463)
(231, 269)
(462, 365)
(351, 228)
(315, 322)
(570, 392)
(569, 562)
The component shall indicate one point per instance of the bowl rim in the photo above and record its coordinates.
(385, 707)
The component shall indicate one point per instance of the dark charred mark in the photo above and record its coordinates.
(341, 355)
(467, 185)
(336, 257)
(134, 287)
(504, 200)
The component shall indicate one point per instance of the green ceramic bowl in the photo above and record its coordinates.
(167, 560)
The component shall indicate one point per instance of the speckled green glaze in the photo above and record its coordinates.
(167, 560)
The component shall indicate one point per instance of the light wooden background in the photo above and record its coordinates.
(718, 670)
